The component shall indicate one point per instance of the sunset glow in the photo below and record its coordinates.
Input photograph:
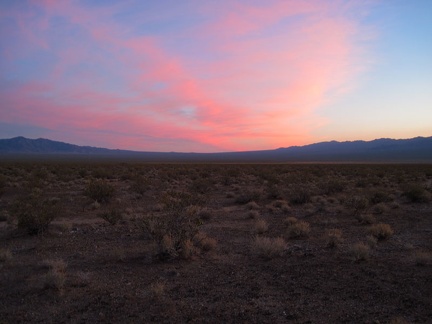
(210, 76)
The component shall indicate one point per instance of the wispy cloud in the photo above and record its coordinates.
(230, 75)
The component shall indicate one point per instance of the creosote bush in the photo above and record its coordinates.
(381, 231)
(300, 196)
(100, 191)
(417, 194)
(268, 247)
(34, 212)
(175, 230)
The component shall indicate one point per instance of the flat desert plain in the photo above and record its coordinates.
(215, 243)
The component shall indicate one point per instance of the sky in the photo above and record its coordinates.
(215, 76)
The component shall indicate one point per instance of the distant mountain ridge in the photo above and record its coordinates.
(418, 149)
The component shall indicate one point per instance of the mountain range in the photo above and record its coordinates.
(414, 150)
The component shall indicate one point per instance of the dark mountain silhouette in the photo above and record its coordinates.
(414, 150)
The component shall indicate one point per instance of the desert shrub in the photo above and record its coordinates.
(332, 186)
(2, 185)
(417, 194)
(290, 220)
(205, 215)
(100, 191)
(334, 238)
(204, 242)
(381, 231)
(274, 192)
(5, 255)
(201, 186)
(56, 276)
(268, 247)
(157, 289)
(366, 219)
(253, 214)
(208, 244)
(300, 196)
(359, 252)
(140, 185)
(34, 212)
(102, 173)
(371, 241)
(423, 258)
(174, 230)
(379, 197)
(248, 196)
(252, 205)
(298, 230)
(357, 204)
(176, 200)
(113, 215)
(380, 208)
(261, 226)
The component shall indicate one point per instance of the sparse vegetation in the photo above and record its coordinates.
(5, 255)
(359, 252)
(299, 229)
(112, 215)
(334, 238)
(268, 247)
(100, 191)
(34, 212)
(417, 194)
(182, 229)
(261, 226)
(381, 231)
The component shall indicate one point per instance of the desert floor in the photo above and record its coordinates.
(217, 243)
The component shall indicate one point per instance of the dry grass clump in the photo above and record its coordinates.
(261, 226)
(357, 204)
(371, 241)
(157, 289)
(290, 220)
(268, 247)
(253, 214)
(398, 320)
(112, 216)
(204, 242)
(423, 258)
(366, 219)
(334, 238)
(56, 276)
(381, 231)
(5, 255)
(299, 229)
(205, 215)
(282, 205)
(252, 205)
(187, 249)
(359, 252)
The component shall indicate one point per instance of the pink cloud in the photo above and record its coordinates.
(263, 91)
